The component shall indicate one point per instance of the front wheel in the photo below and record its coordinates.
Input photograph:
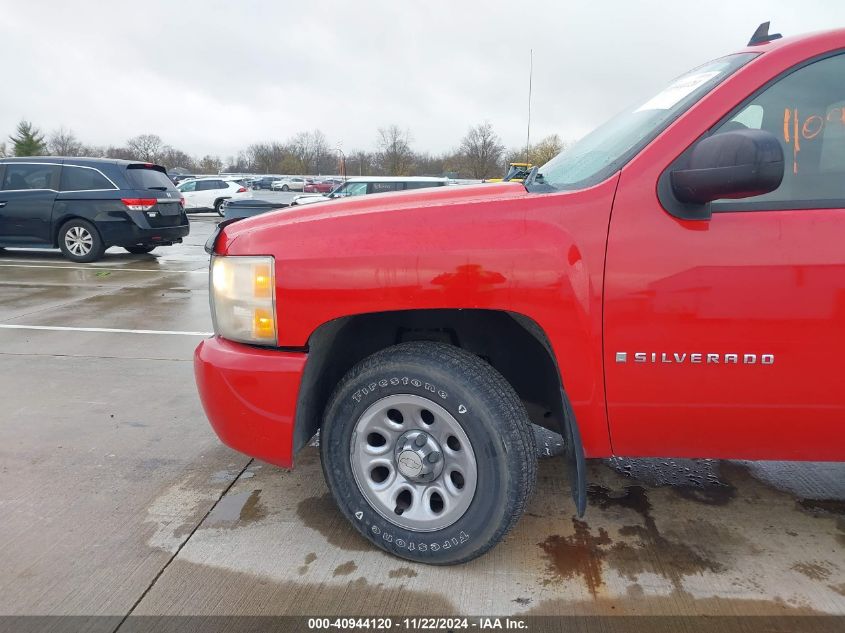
(428, 452)
(80, 241)
(285, 188)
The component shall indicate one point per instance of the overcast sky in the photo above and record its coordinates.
(214, 77)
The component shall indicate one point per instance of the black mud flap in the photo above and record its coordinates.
(574, 455)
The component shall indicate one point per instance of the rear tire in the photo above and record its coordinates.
(285, 188)
(140, 250)
(429, 452)
(80, 241)
(218, 207)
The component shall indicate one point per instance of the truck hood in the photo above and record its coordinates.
(372, 204)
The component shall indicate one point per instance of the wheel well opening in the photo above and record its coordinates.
(513, 344)
(60, 225)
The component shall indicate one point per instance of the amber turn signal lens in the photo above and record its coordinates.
(262, 282)
(263, 326)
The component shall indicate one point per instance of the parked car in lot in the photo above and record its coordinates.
(288, 183)
(673, 284)
(264, 182)
(366, 185)
(177, 178)
(325, 185)
(246, 208)
(85, 205)
(205, 194)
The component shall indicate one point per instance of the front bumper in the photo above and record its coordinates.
(249, 395)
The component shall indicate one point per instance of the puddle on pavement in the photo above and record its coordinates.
(644, 546)
(345, 569)
(580, 554)
(827, 506)
(309, 558)
(584, 553)
(321, 514)
(225, 476)
(241, 593)
(241, 507)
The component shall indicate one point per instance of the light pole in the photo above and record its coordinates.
(342, 162)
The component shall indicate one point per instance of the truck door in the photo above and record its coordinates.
(26, 203)
(726, 337)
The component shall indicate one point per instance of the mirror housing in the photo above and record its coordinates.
(734, 164)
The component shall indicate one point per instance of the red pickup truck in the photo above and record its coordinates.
(671, 285)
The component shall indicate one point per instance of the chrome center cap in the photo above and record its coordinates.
(410, 464)
(418, 456)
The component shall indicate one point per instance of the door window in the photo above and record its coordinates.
(209, 185)
(421, 184)
(188, 187)
(354, 189)
(29, 176)
(383, 187)
(805, 110)
(83, 179)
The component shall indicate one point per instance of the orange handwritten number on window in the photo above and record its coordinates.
(790, 119)
(812, 126)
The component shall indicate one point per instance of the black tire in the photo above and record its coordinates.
(488, 411)
(285, 188)
(80, 227)
(218, 206)
(140, 250)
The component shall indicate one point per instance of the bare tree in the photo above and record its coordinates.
(481, 151)
(123, 153)
(94, 151)
(433, 164)
(539, 154)
(310, 150)
(395, 156)
(3, 150)
(146, 147)
(266, 158)
(171, 158)
(360, 163)
(547, 149)
(63, 142)
(210, 165)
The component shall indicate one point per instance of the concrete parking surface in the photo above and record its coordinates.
(116, 496)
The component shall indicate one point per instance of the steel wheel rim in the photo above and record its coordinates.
(418, 494)
(79, 240)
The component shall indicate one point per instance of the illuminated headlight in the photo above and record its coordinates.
(243, 299)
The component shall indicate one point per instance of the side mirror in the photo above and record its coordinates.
(735, 164)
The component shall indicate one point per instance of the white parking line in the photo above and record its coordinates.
(203, 271)
(58, 328)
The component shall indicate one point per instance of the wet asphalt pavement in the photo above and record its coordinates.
(116, 496)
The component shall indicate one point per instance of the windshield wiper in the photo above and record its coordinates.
(532, 175)
(158, 188)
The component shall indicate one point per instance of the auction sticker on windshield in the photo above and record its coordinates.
(677, 91)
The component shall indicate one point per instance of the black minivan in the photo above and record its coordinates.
(85, 205)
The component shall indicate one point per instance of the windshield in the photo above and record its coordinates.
(608, 147)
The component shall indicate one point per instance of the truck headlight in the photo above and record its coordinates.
(243, 299)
